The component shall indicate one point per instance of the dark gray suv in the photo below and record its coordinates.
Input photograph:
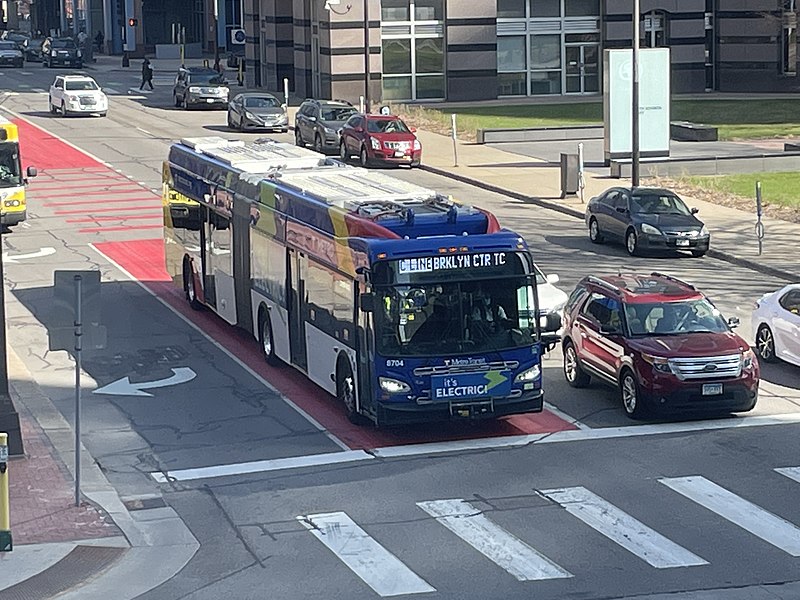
(200, 86)
(318, 122)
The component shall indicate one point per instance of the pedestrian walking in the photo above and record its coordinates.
(147, 74)
(99, 39)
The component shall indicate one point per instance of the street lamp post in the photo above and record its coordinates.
(9, 419)
(367, 74)
(635, 98)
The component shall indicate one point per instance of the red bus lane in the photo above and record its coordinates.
(65, 168)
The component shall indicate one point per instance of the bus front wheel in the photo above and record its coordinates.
(346, 391)
(266, 338)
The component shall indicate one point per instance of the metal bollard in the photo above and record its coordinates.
(5, 520)
(759, 224)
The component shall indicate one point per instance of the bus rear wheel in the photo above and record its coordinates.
(266, 338)
(346, 391)
(188, 285)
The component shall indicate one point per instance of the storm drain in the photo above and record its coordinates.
(82, 564)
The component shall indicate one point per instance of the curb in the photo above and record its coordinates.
(158, 541)
(718, 254)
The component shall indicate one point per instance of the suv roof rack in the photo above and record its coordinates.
(673, 279)
(604, 283)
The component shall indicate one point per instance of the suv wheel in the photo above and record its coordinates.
(573, 372)
(363, 157)
(698, 253)
(318, 144)
(63, 109)
(632, 242)
(629, 390)
(765, 344)
(343, 153)
(298, 137)
(594, 232)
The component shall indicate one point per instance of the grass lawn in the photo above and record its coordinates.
(735, 119)
(776, 188)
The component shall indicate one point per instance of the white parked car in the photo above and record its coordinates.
(77, 94)
(551, 299)
(776, 323)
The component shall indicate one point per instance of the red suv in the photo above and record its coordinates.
(379, 138)
(661, 342)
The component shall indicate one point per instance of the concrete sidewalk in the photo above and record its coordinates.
(97, 550)
(732, 231)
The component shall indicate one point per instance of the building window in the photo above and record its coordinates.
(545, 8)
(581, 8)
(413, 49)
(511, 9)
(545, 64)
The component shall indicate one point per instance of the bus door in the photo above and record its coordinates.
(205, 256)
(296, 274)
(365, 351)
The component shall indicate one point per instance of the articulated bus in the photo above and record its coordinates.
(13, 209)
(404, 304)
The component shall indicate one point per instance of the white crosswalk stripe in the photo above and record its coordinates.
(790, 472)
(109, 90)
(737, 510)
(620, 527)
(379, 568)
(491, 540)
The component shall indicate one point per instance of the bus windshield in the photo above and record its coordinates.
(9, 165)
(469, 316)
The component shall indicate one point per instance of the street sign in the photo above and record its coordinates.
(62, 322)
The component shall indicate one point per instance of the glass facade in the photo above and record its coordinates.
(548, 47)
(412, 45)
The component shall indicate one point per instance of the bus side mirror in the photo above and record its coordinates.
(550, 323)
(367, 302)
(32, 172)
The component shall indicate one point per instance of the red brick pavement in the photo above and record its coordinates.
(42, 500)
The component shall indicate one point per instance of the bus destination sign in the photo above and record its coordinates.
(447, 262)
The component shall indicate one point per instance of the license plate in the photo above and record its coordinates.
(682, 242)
(712, 389)
(209, 100)
(399, 153)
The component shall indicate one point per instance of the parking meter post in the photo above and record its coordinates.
(286, 91)
(78, 348)
(759, 224)
(361, 104)
(240, 75)
(454, 135)
(5, 518)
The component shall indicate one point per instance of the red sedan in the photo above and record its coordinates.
(379, 139)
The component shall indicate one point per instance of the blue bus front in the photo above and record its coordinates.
(455, 335)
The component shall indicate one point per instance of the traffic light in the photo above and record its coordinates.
(133, 22)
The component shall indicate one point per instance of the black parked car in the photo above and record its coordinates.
(63, 51)
(255, 110)
(318, 122)
(646, 219)
(10, 54)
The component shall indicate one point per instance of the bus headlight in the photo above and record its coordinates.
(393, 386)
(531, 374)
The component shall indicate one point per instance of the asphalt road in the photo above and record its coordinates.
(265, 535)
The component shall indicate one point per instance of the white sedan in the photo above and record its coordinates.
(776, 321)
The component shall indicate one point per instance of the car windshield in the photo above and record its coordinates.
(436, 319)
(83, 85)
(8, 46)
(68, 44)
(674, 318)
(386, 126)
(262, 102)
(9, 165)
(337, 113)
(663, 204)
(207, 78)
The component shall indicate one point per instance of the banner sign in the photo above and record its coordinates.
(654, 102)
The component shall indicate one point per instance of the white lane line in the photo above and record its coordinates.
(562, 415)
(110, 90)
(620, 527)
(750, 517)
(38, 90)
(375, 565)
(261, 466)
(25, 73)
(148, 133)
(225, 351)
(790, 472)
(494, 542)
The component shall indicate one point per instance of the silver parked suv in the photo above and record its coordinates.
(200, 86)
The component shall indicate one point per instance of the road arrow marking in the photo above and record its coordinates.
(38, 254)
(124, 387)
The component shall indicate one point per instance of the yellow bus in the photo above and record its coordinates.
(13, 209)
